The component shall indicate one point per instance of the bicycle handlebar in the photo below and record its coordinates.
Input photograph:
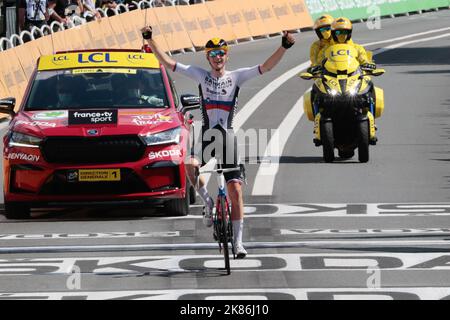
(221, 170)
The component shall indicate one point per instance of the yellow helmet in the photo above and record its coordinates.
(341, 30)
(322, 26)
(216, 44)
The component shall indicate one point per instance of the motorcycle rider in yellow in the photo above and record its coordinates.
(341, 33)
(322, 27)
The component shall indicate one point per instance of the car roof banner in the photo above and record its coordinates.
(103, 59)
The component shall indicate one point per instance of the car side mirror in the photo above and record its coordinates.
(7, 106)
(189, 102)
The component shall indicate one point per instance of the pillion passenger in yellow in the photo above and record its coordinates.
(322, 27)
(341, 33)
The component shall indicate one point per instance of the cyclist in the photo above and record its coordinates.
(322, 27)
(219, 90)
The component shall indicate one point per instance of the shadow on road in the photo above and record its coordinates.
(414, 56)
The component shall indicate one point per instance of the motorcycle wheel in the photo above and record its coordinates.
(327, 137)
(363, 141)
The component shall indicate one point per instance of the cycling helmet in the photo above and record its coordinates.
(341, 30)
(216, 44)
(322, 26)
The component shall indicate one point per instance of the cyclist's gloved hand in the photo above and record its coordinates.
(287, 40)
(147, 33)
(314, 69)
(368, 66)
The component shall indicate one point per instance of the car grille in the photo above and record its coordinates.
(80, 150)
(57, 184)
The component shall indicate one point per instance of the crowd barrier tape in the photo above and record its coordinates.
(363, 9)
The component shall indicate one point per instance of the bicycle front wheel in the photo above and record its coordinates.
(224, 215)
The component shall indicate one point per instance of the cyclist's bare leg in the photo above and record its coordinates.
(237, 202)
(237, 216)
(192, 170)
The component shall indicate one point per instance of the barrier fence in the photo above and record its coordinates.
(188, 27)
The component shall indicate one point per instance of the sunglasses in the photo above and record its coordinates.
(217, 53)
(323, 29)
(339, 32)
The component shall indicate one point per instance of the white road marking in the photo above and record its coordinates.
(372, 210)
(265, 178)
(288, 262)
(383, 293)
(406, 37)
(360, 232)
(264, 185)
(90, 235)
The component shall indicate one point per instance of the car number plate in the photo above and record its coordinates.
(92, 175)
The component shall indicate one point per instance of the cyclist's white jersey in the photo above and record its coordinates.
(219, 95)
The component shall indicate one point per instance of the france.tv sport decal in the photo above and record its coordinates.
(93, 117)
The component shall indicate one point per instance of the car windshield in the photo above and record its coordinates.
(94, 88)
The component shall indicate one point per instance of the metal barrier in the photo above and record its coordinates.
(12, 40)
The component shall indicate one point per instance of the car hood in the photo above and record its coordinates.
(120, 122)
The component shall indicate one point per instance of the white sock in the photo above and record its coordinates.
(238, 226)
(203, 192)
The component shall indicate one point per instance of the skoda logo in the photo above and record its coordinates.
(92, 132)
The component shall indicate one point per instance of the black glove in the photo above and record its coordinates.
(147, 34)
(314, 69)
(285, 43)
(368, 66)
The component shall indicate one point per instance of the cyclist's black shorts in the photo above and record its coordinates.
(222, 145)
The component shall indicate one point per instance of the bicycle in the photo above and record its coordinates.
(222, 225)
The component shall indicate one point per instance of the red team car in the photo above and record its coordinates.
(97, 126)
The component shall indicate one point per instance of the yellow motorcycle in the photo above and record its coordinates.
(343, 104)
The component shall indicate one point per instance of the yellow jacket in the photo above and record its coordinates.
(362, 54)
(315, 50)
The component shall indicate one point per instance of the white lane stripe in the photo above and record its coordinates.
(406, 37)
(208, 246)
(348, 293)
(402, 44)
(264, 186)
(265, 179)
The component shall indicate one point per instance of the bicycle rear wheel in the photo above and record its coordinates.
(224, 236)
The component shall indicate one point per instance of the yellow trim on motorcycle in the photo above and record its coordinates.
(308, 106)
(379, 102)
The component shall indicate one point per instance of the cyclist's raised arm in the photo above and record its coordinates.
(167, 61)
(287, 42)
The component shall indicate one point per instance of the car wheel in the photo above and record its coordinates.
(179, 207)
(17, 210)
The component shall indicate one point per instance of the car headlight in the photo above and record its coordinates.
(171, 136)
(23, 140)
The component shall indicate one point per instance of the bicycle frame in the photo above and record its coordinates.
(223, 228)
